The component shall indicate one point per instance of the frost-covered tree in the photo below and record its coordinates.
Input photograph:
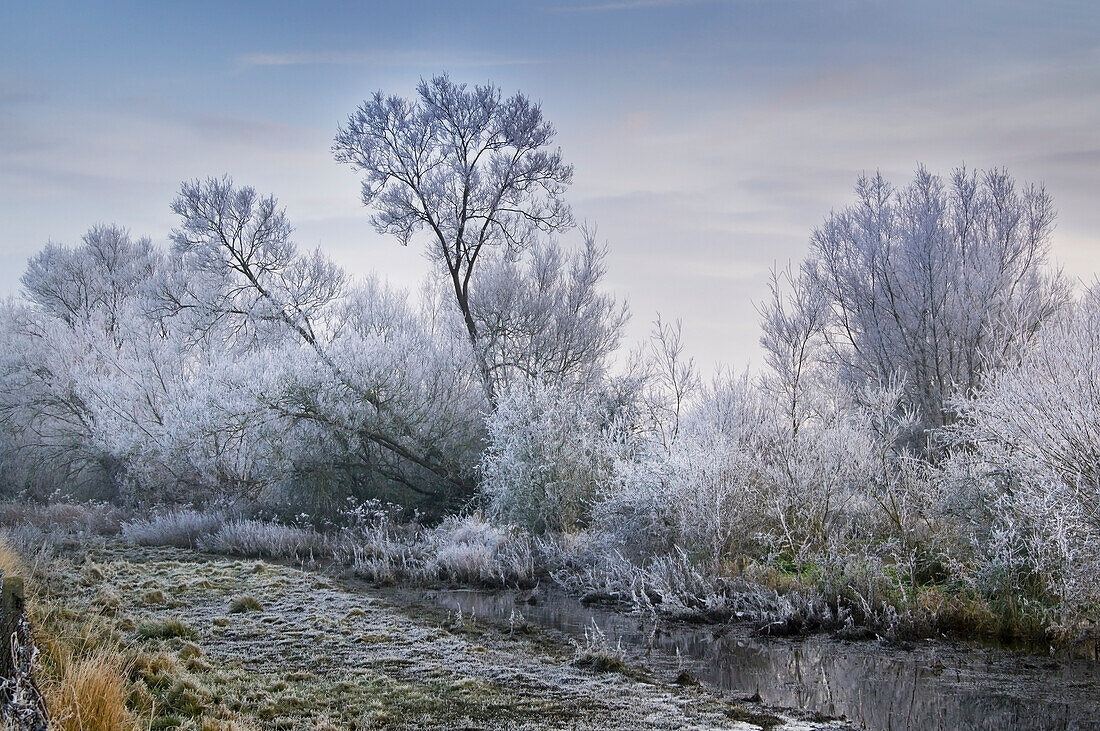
(937, 282)
(241, 267)
(544, 318)
(351, 363)
(468, 166)
(792, 322)
(101, 277)
(74, 386)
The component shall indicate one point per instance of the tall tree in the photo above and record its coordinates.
(470, 167)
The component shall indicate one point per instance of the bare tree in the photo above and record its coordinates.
(792, 323)
(468, 166)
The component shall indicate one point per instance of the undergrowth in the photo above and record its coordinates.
(857, 595)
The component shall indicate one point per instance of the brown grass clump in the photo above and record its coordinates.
(91, 695)
(601, 661)
(157, 671)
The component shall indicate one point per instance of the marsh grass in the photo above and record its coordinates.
(260, 539)
(856, 593)
(181, 528)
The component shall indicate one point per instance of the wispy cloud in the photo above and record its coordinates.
(379, 59)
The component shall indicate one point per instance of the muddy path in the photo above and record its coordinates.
(258, 645)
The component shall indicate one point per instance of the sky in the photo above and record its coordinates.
(708, 138)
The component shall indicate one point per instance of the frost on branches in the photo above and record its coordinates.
(924, 434)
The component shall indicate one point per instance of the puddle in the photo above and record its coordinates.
(934, 685)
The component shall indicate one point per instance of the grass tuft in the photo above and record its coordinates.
(165, 629)
(245, 604)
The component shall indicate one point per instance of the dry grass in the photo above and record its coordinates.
(83, 518)
(11, 563)
(163, 629)
(91, 695)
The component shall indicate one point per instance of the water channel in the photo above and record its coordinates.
(926, 685)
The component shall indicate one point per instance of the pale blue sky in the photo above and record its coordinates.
(708, 137)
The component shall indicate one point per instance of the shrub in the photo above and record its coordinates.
(546, 457)
(474, 550)
(1026, 475)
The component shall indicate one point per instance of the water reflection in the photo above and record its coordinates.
(933, 685)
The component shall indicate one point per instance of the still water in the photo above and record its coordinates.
(929, 685)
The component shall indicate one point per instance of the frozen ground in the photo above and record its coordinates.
(269, 646)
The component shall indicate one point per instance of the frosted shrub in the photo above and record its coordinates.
(703, 490)
(466, 549)
(1041, 546)
(473, 550)
(705, 496)
(546, 457)
(814, 483)
(1030, 473)
(378, 546)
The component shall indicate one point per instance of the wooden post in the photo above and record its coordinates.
(11, 609)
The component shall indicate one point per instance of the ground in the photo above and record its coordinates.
(217, 643)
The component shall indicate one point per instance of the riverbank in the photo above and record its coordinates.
(208, 642)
